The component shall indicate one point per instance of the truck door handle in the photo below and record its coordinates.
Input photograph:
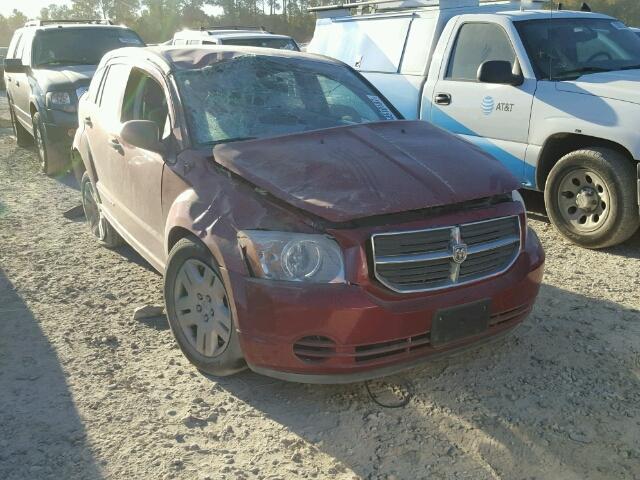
(443, 99)
(115, 144)
(88, 122)
(17, 83)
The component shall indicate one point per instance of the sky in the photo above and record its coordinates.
(31, 8)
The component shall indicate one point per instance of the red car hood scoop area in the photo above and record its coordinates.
(346, 173)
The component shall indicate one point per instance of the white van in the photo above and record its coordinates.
(249, 36)
(553, 95)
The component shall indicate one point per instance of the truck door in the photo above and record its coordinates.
(493, 116)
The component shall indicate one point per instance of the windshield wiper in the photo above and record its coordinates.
(66, 62)
(631, 67)
(229, 140)
(583, 70)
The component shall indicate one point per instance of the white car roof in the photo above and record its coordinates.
(222, 34)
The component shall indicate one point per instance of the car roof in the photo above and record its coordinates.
(66, 26)
(171, 57)
(230, 33)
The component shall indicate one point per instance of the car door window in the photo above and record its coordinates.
(144, 99)
(112, 91)
(478, 43)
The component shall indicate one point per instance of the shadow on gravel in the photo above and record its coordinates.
(530, 404)
(130, 254)
(41, 434)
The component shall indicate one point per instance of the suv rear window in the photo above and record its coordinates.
(79, 46)
(279, 43)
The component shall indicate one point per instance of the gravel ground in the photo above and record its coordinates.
(87, 392)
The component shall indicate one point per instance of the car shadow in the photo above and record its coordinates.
(41, 432)
(468, 409)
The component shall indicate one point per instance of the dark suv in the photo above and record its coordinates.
(48, 67)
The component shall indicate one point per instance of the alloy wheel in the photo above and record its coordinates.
(202, 308)
(37, 136)
(92, 211)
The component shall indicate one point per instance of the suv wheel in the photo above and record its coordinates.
(199, 311)
(23, 139)
(591, 197)
(98, 224)
(40, 140)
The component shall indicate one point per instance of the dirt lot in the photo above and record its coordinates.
(86, 392)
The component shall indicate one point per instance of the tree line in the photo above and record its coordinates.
(157, 20)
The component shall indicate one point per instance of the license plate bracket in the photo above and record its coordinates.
(456, 323)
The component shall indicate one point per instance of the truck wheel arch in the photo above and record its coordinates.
(560, 144)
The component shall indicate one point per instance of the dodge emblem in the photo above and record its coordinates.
(459, 252)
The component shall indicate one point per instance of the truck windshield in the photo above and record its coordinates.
(567, 48)
(254, 96)
(79, 46)
(265, 42)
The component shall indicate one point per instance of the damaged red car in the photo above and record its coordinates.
(303, 228)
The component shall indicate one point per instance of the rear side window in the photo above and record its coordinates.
(112, 91)
(478, 43)
(16, 41)
(179, 41)
(94, 87)
(193, 42)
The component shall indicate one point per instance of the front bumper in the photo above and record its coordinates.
(358, 335)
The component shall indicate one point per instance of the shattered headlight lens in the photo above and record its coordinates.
(294, 257)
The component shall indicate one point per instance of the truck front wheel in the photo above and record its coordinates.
(591, 197)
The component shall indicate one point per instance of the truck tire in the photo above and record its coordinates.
(23, 138)
(591, 197)
(99, 225)
(199, 311)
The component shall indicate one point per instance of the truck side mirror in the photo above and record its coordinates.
(143, 134)
(14, 65)
(499, 71)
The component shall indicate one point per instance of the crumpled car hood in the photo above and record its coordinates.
(618, 85)
(345, 173)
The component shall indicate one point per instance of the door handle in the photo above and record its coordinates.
(88, 122)
(17, 83)
(115, 144)
(443, 99)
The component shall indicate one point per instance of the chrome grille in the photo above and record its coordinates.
(423, 260)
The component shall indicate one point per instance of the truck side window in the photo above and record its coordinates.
(14, 45)
(478, 43)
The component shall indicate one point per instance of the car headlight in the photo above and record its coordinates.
(294, 257)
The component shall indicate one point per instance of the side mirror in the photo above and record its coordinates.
(501, 72)
(14, 65)
(143, 134)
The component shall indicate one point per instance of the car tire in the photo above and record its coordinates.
(591, 197)
(40, 141)
(199, 310)
(99, 225)
(23, 138)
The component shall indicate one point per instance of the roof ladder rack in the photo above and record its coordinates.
(95, 21)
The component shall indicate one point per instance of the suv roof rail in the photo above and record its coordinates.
(232, 27)
(370, 6)
(96, 21)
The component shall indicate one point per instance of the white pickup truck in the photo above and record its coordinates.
(553, 95)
